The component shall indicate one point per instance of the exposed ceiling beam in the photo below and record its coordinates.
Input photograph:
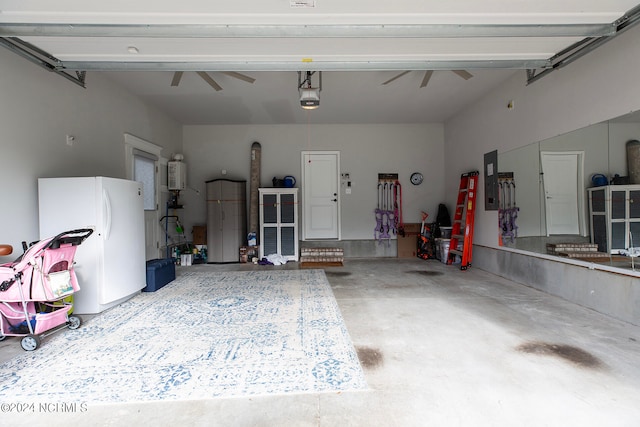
(298, 65)
(42, 59)
(583, 47)
(297, 31)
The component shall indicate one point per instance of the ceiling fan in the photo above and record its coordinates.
(207, 78)
(427, 75)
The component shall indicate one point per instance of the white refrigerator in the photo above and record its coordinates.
(111, 263)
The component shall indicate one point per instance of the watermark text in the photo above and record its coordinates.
(43, 407)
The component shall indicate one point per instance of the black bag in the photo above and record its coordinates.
(443, 219)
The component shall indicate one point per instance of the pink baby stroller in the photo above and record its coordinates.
(35, 289)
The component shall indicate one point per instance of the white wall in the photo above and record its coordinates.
(366, 150)
(37, 110)
(597, 87)
(619, 135)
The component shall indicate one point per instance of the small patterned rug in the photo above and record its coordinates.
(205, 335)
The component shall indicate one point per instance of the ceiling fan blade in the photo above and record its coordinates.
(396, 77)
(464, 74)
(425, 79)
(176, 78)
(207, 78)
(239, 76)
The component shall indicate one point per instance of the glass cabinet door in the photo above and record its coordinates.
(618, 235)
(287, 241)
(270, 209)
(634, 204)
(618, 204)
(287, 208)
(634, 218)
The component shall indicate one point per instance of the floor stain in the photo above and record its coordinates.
(370, 358)
(426, 273)
(399, 285)
(337, 273)
(569, 353)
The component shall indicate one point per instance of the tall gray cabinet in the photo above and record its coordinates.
(614, 212)
(226, 219)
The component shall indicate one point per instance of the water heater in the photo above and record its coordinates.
(176, 175)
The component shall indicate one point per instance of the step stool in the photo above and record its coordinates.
(321, 257)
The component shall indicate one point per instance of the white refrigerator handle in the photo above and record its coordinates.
(106, 203)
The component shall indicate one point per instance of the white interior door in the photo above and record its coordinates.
(562, 179)
(320, 195)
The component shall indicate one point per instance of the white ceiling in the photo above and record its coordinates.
(357, 44)
(346, 97)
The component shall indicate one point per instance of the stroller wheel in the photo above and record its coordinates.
(74, 322)
(30, 342)
(2, 336)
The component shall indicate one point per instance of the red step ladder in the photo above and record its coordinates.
(465, 208)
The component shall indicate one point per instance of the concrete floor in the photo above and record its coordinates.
(440, 347)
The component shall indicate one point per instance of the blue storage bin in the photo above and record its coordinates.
(159, 273)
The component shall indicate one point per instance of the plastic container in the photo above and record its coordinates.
(445, 232)
(599, 180)
(251, 239)
(444, 251)
(289, 181)
(437, 248)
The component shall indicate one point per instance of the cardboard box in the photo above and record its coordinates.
(408, 244)
(199, 234)
(247, 253)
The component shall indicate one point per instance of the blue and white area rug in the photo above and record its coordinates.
(205, 335)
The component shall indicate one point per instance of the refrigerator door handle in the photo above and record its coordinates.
(106, 202)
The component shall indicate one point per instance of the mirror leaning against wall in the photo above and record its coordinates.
(576, 195)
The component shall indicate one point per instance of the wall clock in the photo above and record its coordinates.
(416, 178)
